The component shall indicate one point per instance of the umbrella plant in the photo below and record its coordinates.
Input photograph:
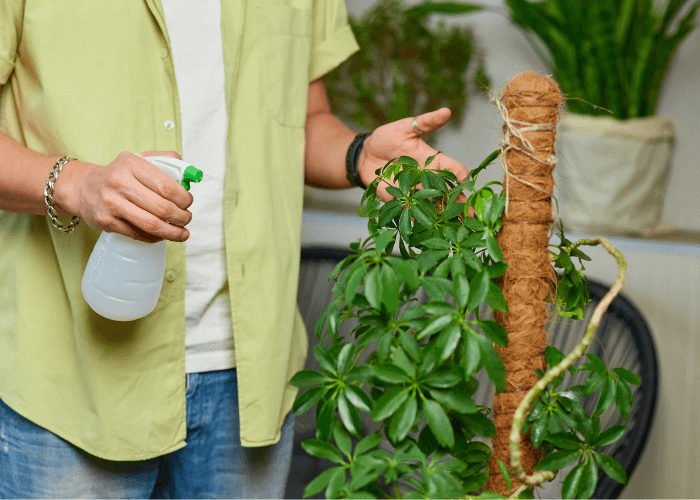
(412, 366)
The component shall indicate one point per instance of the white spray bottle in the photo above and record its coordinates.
(123, 277)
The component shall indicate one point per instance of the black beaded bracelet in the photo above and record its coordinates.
(351, 159)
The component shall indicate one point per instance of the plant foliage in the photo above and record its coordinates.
(613, 54)
(406, 67)
(419, 360)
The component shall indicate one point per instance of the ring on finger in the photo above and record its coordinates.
(414, 124)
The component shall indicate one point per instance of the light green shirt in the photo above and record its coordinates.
(89, 79)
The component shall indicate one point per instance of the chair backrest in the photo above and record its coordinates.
(623, 339)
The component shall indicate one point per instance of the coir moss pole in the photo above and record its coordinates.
(530, 108)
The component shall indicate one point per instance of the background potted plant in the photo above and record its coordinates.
(388, 78)
(610, 58)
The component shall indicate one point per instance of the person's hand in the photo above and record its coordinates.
(399, 138)
(132, 197)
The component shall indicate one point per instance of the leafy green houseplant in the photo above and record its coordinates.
(610, 58)
(412, 366)
(388, 78)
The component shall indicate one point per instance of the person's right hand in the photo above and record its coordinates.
(132, 197)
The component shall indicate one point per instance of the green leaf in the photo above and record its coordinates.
(322, 449)
(325, 419)
(321, 481)
(345, 357)
(390, 288)
(447, 341)
(493, 364)
(471, 354)
(443, 378)
(495, 332)
(388, 212)
(335, 485)
(572, 482)
(434, 326)
(439, 423)
(305, 378)
(609, 436)
(565, 441)
(410, 345)
(497, 270)
(324, 359)
(623, 399)
(611, 467)
(402, 420)
(473, 224)
(405, 224)
(493, 248)
(495, 298)
(342, 440)
(557, 460)
(479, 424)
(424, 194)
(389, 402)
(395, 192)
(505, 474)
(454, 399)
(308, 399)
(471, 259)
(596, 365)
(440, 308)
(607, 396)
(589, 479)
(479, 289)
(593, 383)
(539, 430)
(461, 289)
(407, 271)
(627, 376)
(437, 288)
(354, 282)
(390, 373)
(358, 398)
(349, 416)
(401, 360)
(374, 288)
(368, 443)
(422, 217)
(384, 237)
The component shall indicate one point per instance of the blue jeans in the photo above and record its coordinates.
(34, 463)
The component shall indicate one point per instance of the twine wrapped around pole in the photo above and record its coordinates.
(530, 108)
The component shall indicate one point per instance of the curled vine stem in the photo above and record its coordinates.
(515, 435)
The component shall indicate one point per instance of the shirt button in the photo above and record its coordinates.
(164, 53)
(170, 276)
(169, 125)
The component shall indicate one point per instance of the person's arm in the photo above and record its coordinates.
(327, 141)
(129, 196)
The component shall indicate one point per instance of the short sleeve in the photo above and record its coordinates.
(11, 17)
(333, 40)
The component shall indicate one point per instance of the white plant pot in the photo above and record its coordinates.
(612, 173)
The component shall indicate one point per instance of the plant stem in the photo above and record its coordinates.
(515, 435)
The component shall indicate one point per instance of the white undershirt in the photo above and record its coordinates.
(194, 27)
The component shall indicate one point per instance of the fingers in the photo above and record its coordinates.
(133, 197)
(433, 120)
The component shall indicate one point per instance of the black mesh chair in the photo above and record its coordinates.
(623, 339)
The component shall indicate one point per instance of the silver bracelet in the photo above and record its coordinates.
(48, 197)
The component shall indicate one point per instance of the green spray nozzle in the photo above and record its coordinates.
(191, 174)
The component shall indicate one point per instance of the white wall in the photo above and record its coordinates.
(508, 53)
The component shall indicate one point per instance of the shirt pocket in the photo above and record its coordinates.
(285, 37)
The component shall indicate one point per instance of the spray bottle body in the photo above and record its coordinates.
(124, 277)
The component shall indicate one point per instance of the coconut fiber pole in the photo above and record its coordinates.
(530, 108)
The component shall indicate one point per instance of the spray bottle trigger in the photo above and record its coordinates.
(191, 174)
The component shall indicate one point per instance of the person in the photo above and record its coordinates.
(192, 400)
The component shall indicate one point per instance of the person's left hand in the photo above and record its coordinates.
(399, 138)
